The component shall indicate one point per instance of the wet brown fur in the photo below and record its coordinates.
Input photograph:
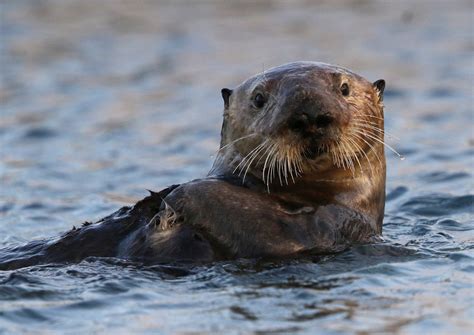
(292, 194)
(330, 203)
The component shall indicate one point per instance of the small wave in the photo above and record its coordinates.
(39, 133)
(439, 205)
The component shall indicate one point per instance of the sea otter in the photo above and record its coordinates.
(300, 169)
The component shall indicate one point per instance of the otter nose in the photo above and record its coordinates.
(310, 122)
(306, 111)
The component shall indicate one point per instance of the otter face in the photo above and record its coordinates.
(302, 116)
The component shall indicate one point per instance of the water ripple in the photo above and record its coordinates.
(99, 105)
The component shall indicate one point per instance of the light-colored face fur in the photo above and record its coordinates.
(302, 117)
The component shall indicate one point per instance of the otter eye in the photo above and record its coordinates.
(345, 89)
(259, 100)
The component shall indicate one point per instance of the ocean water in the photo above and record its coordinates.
(103, 100)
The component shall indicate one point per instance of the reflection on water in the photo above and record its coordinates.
(100, 103)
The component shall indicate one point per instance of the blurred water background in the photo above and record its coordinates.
(101, 100)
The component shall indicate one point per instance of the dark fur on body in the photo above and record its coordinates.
(297, 172)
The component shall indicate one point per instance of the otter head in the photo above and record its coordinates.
(302, 118)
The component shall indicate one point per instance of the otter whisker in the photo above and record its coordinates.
(297, 161)
(334, 155)
(254, 156)
(251, 161)
(370, 132)
(284, 173)
(265, 172)
(270, 165)
(359, 124)
(349, 151)
(381, 131)
(332, 152)
(279, 168)
(364, 121)
(361, 120)
(270, 155)
(240, 138)
(271, 168)
(268, 152)
(272, 162)
(244, 160)
(277, 165)
(337, 155)
(360, 136)
(343, 158)
(290, 167)
(388, 146)
(284, 160)
(347, 155)
(374, 137)
(365, 154)
(275, 170)
(288, 163)
(298, 165)
(373, 116)
(370, 126)
(358, 149)
(265, 153)
(340, 155)
(363, 124)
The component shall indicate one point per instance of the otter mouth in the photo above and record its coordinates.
(315, 149)
(314, 132)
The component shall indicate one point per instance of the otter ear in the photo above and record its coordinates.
(380, 87)
(226, 93)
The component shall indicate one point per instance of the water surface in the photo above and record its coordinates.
(100, 102)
